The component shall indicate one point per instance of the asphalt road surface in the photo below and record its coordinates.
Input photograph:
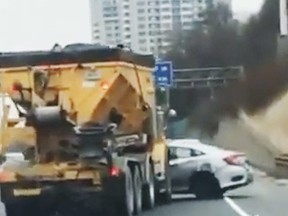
(265, 197)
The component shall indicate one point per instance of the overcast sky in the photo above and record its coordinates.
(39, 24)
(244, 8)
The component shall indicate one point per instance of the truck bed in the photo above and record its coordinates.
(70, 56)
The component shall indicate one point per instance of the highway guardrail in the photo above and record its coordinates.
(282, 160)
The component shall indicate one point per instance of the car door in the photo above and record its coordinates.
(183, 162)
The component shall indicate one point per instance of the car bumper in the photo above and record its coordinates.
(235, 186)
(247, 178)
(250, 178)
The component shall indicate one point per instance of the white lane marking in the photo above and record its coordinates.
(235, 207)
(281, 182)
(183, 196)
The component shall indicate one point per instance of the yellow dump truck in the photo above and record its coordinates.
(89, 134)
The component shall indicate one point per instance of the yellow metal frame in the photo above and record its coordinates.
(129, 86)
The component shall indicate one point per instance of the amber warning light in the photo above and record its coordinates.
(104, 85)
(17, 86)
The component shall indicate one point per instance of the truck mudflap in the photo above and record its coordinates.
(68, 198)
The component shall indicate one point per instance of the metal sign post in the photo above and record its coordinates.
(283, 15)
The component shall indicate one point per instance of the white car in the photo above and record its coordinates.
(205, 170)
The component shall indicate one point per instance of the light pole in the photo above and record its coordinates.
(283, 16)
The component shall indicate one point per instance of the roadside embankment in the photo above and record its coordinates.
(251, 116)
(262, 136)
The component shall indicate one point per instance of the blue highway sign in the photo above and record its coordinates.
(164, 74)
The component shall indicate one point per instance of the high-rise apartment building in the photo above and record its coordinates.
(143, 24)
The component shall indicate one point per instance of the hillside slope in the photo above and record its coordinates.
(262, 136)
(272, 123)
(251, 116)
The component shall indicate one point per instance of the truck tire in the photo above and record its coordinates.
(118, 199)
(137, 191)
(127, 199)
(149, 190)
(166, 197)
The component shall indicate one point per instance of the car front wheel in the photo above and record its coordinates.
(206, 186)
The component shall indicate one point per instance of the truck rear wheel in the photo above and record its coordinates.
(127, 199)
(137, 191)
(149, 191)
(118, 197)
(166, 197)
